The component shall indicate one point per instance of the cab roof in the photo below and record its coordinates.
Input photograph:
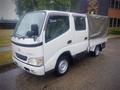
(63, 12)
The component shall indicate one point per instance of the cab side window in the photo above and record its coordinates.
(56, 26)
(79, 23)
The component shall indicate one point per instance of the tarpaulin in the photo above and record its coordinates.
(98, 26)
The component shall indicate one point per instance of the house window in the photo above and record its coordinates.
(112, 3)
(111, 22)
(119, 5)
(116, 4)
(118, 23)
(115, 22)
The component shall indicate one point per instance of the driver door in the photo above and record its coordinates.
(57, 34)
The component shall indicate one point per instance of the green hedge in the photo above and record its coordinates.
(114, 31)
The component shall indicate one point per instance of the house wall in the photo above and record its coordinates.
(114, 13)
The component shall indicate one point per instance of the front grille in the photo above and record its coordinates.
(21, 57)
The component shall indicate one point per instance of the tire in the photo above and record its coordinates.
(96, 51)
(62, 66)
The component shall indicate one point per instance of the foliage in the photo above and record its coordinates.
(24, 6)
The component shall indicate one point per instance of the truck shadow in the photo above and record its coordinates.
(7, 67)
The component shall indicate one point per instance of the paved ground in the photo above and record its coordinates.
(89, 73)
(113, 36)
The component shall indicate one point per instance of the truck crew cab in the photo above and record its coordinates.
(46, 40)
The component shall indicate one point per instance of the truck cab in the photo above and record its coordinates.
(46, 40)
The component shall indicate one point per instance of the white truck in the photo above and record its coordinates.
(47, 40)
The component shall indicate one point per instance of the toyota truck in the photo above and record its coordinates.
(48, 40)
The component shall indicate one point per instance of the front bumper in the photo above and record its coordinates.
(31, 69)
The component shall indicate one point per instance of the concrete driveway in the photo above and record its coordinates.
(87, 73)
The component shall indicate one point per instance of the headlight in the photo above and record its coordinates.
(36, 61)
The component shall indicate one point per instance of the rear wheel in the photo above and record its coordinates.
(62, 66)
(96, 51)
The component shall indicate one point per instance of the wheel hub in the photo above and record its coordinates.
(63, 65)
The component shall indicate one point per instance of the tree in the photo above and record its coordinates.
(24, 6)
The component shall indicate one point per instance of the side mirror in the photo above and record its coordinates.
(34, 29)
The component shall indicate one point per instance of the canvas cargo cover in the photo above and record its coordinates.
(98, 26)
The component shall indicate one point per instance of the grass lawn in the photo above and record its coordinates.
(5, 35)
(5, 40)
(5, 57)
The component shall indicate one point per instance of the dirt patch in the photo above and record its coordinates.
(5, 37)
(6, 57)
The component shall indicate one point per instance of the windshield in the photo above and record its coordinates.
(29, 19)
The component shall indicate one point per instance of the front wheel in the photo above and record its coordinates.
(62, 66)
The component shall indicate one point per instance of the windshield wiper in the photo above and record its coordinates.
(19, 36)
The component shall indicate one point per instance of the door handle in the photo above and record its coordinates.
(85, 38)
(69, 42)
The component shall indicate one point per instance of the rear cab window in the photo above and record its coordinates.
(80, 23)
